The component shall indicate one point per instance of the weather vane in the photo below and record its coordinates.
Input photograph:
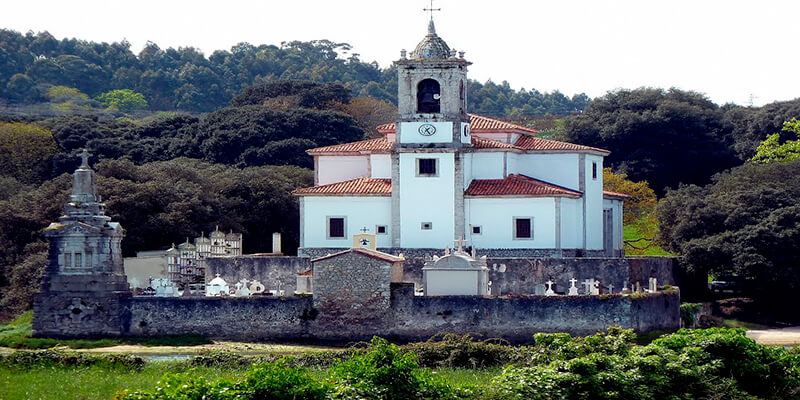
(431, 9)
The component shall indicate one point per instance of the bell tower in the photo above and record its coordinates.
(432, 134)
(431, 95)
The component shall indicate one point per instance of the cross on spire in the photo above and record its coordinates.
(85, 158)
(460, 242)
(431, 9)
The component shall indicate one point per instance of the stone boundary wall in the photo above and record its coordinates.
(315, 252)
(515, 318)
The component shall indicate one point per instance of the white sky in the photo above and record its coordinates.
(726, 49)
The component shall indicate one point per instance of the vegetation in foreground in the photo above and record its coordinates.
(711, 363)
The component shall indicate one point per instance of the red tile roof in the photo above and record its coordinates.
(477, 124)
(367, 252)
(527, 142)
(483, 143)
(517, 185)
(370, 145)
(358, 187)
(621, 196)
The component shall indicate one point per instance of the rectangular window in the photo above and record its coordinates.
(78, 260)
(476, 230)
(427, 167)
(380, 229)
(594, 170)
(426, 226)
(67, 260)
(88, 259)
(336, 228)
(523, 228)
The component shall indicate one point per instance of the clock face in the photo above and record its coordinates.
(427, 130)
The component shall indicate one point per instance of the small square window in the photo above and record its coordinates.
(336, 228)
(523, 228)
(426, 226)
(594, 170)
(427, 167)
(476, 230)
(380, 229)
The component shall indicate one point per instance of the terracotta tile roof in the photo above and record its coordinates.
(517, 185)
(483, 143)
(367, 252)
(527, 142)
(477, 124)
(621, 196)
(369, 145)
(359, 187)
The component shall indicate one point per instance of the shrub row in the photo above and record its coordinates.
(52, 358)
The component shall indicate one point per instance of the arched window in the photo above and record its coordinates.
(428, 96)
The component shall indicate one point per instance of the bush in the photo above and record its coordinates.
(462, 351)
(50, 358)
(386, 372)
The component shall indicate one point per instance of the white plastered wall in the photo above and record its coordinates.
(358, 212)
(487, 165)
(410, 132)
(495, 216)
(559, 169)
(571, 223)
(380, 166)
(427, 199)
(616, 211)
(332, 169)
(594, 203)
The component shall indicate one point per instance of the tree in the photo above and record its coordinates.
(770, 150)
(369, 113)
(124, 100)
(748, 126)
(26, 151)
(746, 223)
(638, 211)
(664, 137)
(295, 94)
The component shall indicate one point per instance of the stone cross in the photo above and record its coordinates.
(653, 285)
(85, 158)
(589, 283)
(638, 287)
(549, 291)
(610, 288)
(431, 9)
(364, 229)
(573, 290)
(459, 244)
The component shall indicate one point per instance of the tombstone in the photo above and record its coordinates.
(539, 289)
(573, 290)
(653, 285)
(625, 289)
(549, 291)
(638, 287)
(241, 288)
(276, 243)
(610, 289)
(217, 287)
(257, 287)
(595, 288)
(305, 282)
(588, 286)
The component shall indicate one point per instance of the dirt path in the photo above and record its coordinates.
(777, 336)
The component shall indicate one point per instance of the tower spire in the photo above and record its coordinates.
(431, 9)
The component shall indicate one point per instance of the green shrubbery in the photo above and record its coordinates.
(50, 358)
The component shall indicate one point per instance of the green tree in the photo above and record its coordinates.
(664, 137)
(124, 100)
(26, 151)
(746, 223)
(771, 150)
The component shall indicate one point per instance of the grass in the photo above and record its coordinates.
(631, 232)
(97, 383)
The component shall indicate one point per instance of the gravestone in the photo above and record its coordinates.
(573, 290)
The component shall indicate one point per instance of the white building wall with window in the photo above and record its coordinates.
(593, 196)
(358, 212)
(495, 217)
(427, 199)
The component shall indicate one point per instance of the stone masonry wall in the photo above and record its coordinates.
(276, 273)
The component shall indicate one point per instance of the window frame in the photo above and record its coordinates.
(594, 170)
(480, 229)
(423, 228)
(328, 227)
(418, 162)
(385, 230)
(514, 232)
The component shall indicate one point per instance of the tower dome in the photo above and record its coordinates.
(432, 47)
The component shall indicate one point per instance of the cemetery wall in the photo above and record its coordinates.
(409, 317)
(275, 272)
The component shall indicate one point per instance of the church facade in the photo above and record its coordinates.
(439, 174)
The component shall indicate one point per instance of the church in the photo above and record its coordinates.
(440, 174)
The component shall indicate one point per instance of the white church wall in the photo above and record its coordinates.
(487, 165)
(496, 215)
(410, 132)
(427, 199)
(560, 169)
(332, 169)
(380, 166)
(512, 162)
(616, 211)
(571, 223)
(359, 212)
(594, 203)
